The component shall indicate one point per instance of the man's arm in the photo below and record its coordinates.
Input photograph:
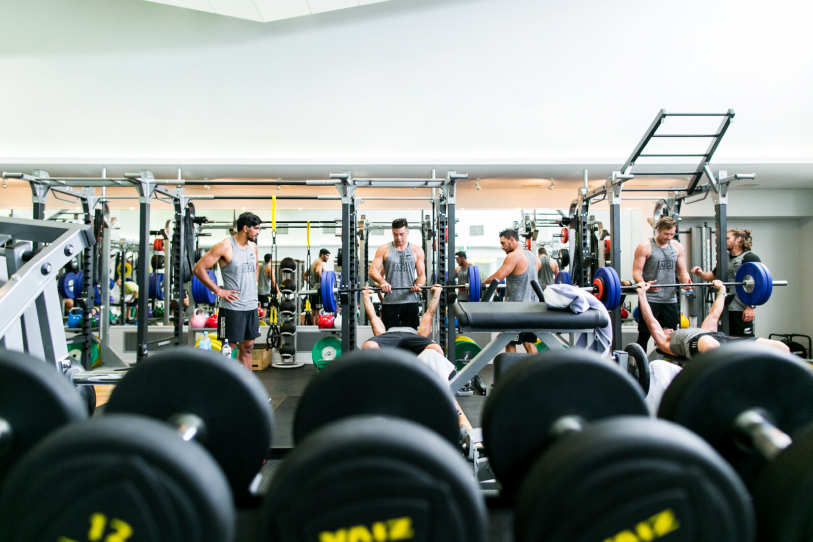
(425, 329)
(507, 267)
(554, 266)
(710, 323)
(707, 276)
(375, 321)
(220, 250)
(642, 252)
(378, 263)
(655, 329)
(420, 269)
(682, 272)
(256, 259)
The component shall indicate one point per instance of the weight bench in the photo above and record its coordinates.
(680, 361)
(512, 318)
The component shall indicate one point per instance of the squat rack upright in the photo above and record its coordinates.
(614, 185)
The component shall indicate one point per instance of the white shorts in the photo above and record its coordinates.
(438, 363)
(661, 375)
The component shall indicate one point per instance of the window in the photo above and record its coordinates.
(475, 230)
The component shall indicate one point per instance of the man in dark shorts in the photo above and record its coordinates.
(519, 268)
(399, 264)
(740, 315)
(238, 320)
(408, 338)
(313, 276)
(661, 258)
(266, 282)
(692, 341)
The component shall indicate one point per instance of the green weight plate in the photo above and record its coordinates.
(326, 350)
(231, 401)
(34, 400)
(465, 351)
(632, 479)
(117, 475)
(717, 386)
(536, 392)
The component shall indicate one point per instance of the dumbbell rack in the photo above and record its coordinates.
(288, 360)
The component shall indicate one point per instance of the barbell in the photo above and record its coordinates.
(754, 285)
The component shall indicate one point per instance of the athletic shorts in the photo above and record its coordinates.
(411, 342)
(264, 300)
(526, 337)
(738, 328)
(722, 338)
(237, 326)
(316, 302)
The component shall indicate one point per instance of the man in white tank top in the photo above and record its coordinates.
(399, 265)
(518, 269)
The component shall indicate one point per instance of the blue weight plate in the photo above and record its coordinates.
(760, 292)
(768, 283)
(65, 285)
(477, 295)
(328, 299)
(472, 278)
(78, 284)
(211, 297)
(612, 287)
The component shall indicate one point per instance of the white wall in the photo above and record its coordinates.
(477, 80)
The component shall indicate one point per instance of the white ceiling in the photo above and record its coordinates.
(265, 10)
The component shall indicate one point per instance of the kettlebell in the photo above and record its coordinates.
(624, 313)
(198, 320)
(75, 317)
(325, 321)
(212, 321)
(260, 312)
(337, 321)
(159, 311)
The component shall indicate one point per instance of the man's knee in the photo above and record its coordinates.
(370, 345)
(246, 346)
(775, 344)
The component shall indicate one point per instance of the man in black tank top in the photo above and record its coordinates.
(691, 342)
(661, 259)
(740, 315)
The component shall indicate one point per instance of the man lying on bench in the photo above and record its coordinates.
(407, 338)
(690, 342)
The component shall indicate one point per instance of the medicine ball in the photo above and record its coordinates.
(288, 263)
(287, 328)
(287, 306)
(287, 350)
(157, 261)
(288, 286)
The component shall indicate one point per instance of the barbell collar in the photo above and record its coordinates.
(189, 426)
(761, 434)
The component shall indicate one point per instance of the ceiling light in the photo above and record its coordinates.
(244, 208)
(552, 184)
(4, 184)
(132, 208)
(477, 183)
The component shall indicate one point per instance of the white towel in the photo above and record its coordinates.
(438, 363)
(661, 375)
(564, 296)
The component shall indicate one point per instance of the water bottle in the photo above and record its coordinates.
(205, 342)
(226, 349)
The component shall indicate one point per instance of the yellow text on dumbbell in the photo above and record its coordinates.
(99, 526)
(655, 527)
(380, 531)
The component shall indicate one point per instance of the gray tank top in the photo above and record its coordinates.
(734, 263)
(661, 266)
(545, 276)
(240, 274)
(314, 281)
(399, 272)
(680, 339)
(463, 278)
(518, 287)
(264, 282)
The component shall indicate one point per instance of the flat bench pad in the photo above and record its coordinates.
(524, 316)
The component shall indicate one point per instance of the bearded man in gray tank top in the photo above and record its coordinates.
(462, 274)
(518, 269)
(399, 264)
(740, 315)
(238, 320)
(659, 260)
(548, 268)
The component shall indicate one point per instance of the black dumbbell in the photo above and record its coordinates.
(178, 431)
(34, 401)
(377, 458)
(569, 435)
(747, 400)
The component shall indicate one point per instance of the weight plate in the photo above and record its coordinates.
(231, 401)
(717, 386)
(381, 382)
(463, 338)
(65, 285)
(326, 350)
(565, 235)
(472, 279)
(34, 400)
(475, 293)
(536, 392)
(78, 284)
(465, 351)
(564, 257)
(632, 479)
(117, 475)
(763, 283)
(368, 478)
(782, 492)
(199, 253)
(327, 284)
(639, 365)
(562, 277)
(209, 295)
(612, 287)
